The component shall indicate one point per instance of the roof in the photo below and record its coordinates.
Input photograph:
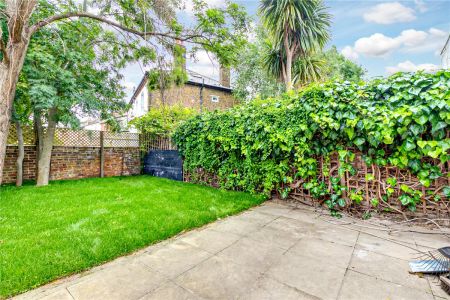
(446, 44)
(204, 81)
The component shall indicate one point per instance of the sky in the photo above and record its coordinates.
(382, 36)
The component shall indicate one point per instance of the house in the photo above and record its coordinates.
(445, 54)
(198, 92)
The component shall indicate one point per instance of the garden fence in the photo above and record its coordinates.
(77, 154)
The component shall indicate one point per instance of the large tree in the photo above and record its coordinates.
(148, 23)
(298, 28)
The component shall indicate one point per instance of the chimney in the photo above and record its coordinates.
(179, 55)
(224, 76)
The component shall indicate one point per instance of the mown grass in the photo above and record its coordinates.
(70, 226)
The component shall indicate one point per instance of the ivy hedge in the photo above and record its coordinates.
(401, 121)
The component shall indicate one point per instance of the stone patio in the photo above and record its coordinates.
(274, 251)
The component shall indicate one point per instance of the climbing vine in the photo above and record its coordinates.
(342, 144)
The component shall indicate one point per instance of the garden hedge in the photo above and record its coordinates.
(381, 145)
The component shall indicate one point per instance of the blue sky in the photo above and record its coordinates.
(371, 32)
(382, 36)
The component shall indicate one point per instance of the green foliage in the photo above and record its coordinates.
(337, 67)
(163, 120)
(252, 79)
(401, 120)
(71, 72)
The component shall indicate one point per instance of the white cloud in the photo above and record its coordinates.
(411, 40)
(376, 45)
(408, 66)
(389, 13)
(349, 53)
(420, 6)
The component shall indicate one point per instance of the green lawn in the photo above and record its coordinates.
(69, 226)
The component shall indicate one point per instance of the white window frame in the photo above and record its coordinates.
(215, 98)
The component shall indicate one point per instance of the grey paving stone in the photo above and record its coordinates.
(171, 291)
(129, 280)
(359, 286)
(174, 259)
(269, 289)
(210, 240)
(387, 268)
(62, 294)
(312, 276)
(332, 253)
(273, 209)
(257, 255)
(337, 234)
(218, 278)
(396, 249)
(236, 226)
(296, 228)
(253, 216)
(272, 235)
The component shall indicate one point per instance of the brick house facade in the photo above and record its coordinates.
(199, 92)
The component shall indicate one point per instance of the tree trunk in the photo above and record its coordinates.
(21, 154)
(9, 75)
(45, 152)
(288, 71)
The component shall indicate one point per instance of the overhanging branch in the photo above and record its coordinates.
(142, 34)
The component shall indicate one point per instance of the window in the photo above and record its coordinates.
(214, 98)
(142, 102)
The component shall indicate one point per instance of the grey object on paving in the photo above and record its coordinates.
(433, 262)
(274, 251)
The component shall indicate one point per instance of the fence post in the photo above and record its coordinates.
(102, 154)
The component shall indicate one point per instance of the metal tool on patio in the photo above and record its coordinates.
(432, 262)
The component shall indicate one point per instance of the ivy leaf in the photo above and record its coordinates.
(422, 119)
(341, 202)
(350, 132)
(359, 141)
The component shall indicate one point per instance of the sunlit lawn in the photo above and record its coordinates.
(69, 226)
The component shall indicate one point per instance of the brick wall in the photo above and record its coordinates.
(189, 96)
(75, 162)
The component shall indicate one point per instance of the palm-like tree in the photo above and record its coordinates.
(305, 69)
(298, 29)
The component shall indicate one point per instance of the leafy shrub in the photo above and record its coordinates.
(259, 147)
(163, 120)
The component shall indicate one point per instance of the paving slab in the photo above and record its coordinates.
(387, 268)
(259, 256)
(359, 286)
(332, 253)
(236, 226)
(312, 276)
(171, 291)
(129, 280)
(218, 278)
(210, 240)
(391, 247)
(275, 236)
(174, 259)
(269, 289)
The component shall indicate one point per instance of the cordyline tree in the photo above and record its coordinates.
(143, 23)
(297, 28)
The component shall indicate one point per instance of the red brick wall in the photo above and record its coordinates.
(75, 162)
